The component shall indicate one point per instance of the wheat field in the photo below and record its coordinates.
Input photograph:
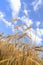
(16, 52)
(12, 53)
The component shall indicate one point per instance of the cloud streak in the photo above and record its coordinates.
(32, 33)
(36, 4)
(7, 23)
(26, 20)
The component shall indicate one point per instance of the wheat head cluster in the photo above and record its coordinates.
(15, 52)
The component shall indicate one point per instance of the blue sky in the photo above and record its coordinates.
(30, 13)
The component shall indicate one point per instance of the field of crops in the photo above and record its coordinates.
(19, 53)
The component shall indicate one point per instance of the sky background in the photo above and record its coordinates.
(29, 12)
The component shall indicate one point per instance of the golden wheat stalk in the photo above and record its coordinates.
(41, 50)
(38, 47)
(32, 60)
(18, 26)
(16, 34)
(28, 28)
(13, 20)
(23, 35)
(2, 61)
(13, 36)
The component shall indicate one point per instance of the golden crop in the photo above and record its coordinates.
(13, 52)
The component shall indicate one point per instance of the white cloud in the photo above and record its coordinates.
(15, 6)
(4, 20)
(7, 23)
(1, 15)
(25, 11)
(39, 32)
(27, 21)
(36, 4)
(38, 23)
(32, 33)
(34, 37)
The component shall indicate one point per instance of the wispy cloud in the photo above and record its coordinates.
(33, 33)
(34, 37)
(1, 15)
(7, 23)
(36, 4)
(38, 23)
(15, 6)
(25, 12)
(25, 9)
(4, 20)
(39, 31)
(27, 20)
